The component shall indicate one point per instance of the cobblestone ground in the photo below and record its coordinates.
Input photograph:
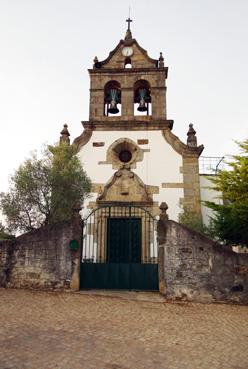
(42, 330)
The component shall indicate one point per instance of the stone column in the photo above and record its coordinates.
(191, 180)
(77, 225)
(162, 230)
(96, 104)
(158, 102)
(191, 177)
(127, 105)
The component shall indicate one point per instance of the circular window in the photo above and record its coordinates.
(125, 156)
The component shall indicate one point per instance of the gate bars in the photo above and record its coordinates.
(94, 240)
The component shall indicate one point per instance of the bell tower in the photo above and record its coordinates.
(127, 145)
(128, 87)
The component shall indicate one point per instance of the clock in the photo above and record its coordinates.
(127, 51)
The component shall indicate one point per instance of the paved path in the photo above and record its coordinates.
(42, 330)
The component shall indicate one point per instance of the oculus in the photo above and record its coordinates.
(125, 156)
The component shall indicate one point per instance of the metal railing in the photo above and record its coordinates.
(211, 164)
(108, 222)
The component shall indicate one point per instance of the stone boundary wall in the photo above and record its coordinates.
(6, 251)
(191, 266)
(195, 268)
(42, 258)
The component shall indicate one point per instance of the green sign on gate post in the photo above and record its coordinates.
(74, 245)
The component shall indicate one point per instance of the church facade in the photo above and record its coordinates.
(127, 147)
(136, 163)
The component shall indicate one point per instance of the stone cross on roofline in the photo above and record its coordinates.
(128, 36)
(129, 21)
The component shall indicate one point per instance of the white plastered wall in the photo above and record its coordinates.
(208, 194)
(161, 164)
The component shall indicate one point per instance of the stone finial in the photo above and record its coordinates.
(64, 138)
(163, 215)
(128, 35)
(95, 61)
(191, 140)
(162, 224)
(161, 61)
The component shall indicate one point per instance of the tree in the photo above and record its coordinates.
(230, 220)
(44, 190)
(4, 233)
(192, 220)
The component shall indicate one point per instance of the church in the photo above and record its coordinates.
(127, 235)
(135, 162)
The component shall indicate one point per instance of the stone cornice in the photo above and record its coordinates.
(108, 71)
(130, 125)
(126, 203)
(179, 146)
(154, 88)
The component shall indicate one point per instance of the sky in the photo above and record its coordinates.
(48, 45)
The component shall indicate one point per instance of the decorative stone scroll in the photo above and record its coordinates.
(125, 186)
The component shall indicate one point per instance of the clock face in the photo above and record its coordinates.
(127, 51)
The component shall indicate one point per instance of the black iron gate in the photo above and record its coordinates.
(119, 249)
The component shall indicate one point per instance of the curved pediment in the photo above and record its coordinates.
(125, 186)
(116, 59)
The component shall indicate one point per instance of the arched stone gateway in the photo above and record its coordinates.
(119, 249)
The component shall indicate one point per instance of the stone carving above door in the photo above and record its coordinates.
(125, 186)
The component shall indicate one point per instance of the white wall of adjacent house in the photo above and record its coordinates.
(161, 164)
(208, 194)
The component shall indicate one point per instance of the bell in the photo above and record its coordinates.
(113, 107)
(142, 104)
(113, 104)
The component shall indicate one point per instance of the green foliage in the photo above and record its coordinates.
(230, 222)
(70, 183)
(192, 221)
(4, 233)
(44, 190)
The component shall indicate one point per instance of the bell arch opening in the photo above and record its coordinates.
(128, 63)
(142, 98)
(112, 98)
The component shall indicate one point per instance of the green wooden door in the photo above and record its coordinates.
(124, 240)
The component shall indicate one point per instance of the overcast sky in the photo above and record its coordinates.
(48, 45)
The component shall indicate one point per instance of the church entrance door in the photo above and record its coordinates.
(119, 249)
(124, 240)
